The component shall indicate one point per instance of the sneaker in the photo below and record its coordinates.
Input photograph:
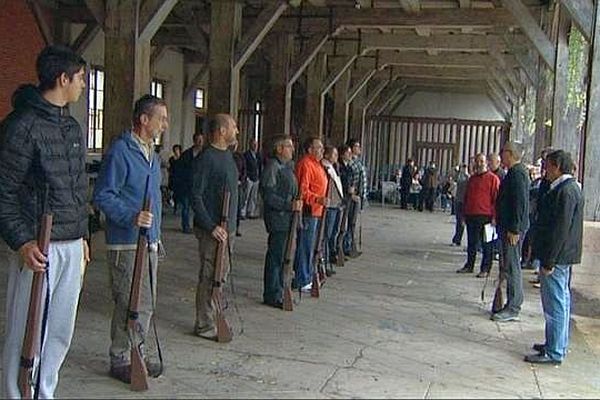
(207, 333)
(505, 316)
(539, 347)
(541, 359)
(306, 288)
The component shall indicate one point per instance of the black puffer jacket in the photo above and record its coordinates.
(42, 164)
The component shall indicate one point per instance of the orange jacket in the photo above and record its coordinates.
(312, 181)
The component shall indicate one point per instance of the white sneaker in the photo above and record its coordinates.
(306, 288)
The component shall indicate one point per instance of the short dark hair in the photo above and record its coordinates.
(176, 146)
(55, 60)
(145, 106)
(277, 141)
(329, 150)
(309, 142)
(563, 160)
(217, 122)
(353, 141)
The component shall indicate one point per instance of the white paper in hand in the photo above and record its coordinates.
(489, 233)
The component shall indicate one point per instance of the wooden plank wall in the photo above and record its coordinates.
(247, 125)
(389, 141)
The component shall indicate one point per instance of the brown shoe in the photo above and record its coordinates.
(483, 275)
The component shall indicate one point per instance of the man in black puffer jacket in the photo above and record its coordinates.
(42, 169)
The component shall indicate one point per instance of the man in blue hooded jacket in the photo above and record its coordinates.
(119, 193)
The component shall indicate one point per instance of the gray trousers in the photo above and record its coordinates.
(511, 260)
(120, 265)
(65, 276)
(250, 208)
(207, 247)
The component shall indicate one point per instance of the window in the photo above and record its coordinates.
(157, 89)
(199, 98)
(257, 120)
(95, 109)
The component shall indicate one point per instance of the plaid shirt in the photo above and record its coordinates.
(359, 177)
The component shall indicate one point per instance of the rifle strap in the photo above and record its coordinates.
(233, 294)
(43, 332)
(158, 348)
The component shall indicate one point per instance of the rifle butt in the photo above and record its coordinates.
(139, 372)
(224, 333)
(25, 381)
(288, 304)
(498, 302)
(315, 291)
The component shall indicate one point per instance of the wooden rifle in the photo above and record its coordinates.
(26, 382)
(498, 302)
(340, 258)
(288, 261)
(319, 276)
(224, 332)
(139, 372)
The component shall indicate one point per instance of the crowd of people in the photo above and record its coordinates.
(42, 169)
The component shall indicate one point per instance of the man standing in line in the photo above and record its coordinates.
(184, 172)
(405, 182)
(559, 246)
(253, 164)
(462, 179)
(479, 210)
(312, 181)
(42, 169)
(119, 193)
(358, 188)
(214, 173)
(512, 210)
(279, 189)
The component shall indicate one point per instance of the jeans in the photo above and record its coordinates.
(273, 274)
(475, 233)
(184, 202)
(460, 225)
(556, 302)
(511, 266)
(349, 242)
(304, 251)
(332, 222)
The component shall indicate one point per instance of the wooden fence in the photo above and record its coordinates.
(389, 141)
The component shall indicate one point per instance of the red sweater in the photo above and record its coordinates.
(480, 198)
(312, 180)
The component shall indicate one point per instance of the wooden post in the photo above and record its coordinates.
(224, 77)
(313, 125)
(562, 134)
(591, 147)
(340, 111)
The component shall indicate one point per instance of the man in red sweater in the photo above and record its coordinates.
(312, 182)
(479, 210)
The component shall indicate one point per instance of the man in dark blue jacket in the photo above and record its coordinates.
(279, 189)
(558, 244)
(42, 169)
(119, 193)
(512, 213)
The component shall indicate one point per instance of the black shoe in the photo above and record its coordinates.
(541, 359)
(238, 234)
(276, 304)
(464, 270)
(121, 373)
(539, 347)
(154, 369)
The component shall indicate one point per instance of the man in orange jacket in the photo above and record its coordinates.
(312, 181)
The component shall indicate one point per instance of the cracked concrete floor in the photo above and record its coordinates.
(397, 322)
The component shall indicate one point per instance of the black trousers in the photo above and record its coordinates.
(273, 274)
(475, 237)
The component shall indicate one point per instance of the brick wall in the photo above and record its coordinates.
(20, 43)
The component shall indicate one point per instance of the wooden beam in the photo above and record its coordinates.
(562, 134)
(157, 53)
(581, 12)
(307, 56)
(532, 30)
(411, 42)
(360, 83)
(336, 74)
(410, 5)
(464, 3)
(499, 105)
(442, 73)
(87, 35)
(591, 147)
(42, 21)
(152, 14)
(447, 59)
(372, 95)
(525, 61)
(96, 8)
(255, 35)
(199, 77)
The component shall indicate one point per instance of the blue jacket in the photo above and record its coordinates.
(119, 190)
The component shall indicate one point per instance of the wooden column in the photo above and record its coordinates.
(316, 73)
(276, 120)
(562, 133)
(340, 111)
(356, 120)
(591, 148)
(126, 67)
(224, 76)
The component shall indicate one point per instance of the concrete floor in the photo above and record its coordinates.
(397, 322)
